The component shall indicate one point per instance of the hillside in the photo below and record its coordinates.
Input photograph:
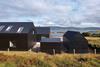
(94, 41)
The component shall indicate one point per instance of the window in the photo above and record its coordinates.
(20, 29)
(11, 44)
(8, 28)
(1, 27)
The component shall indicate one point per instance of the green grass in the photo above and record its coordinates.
(31, 59)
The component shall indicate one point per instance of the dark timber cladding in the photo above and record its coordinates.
(42, 32)
(75, 40)
(51, 45)
(16, 35)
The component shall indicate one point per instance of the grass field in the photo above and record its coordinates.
(32, 59)
(94, 41)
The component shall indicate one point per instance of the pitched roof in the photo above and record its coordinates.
(43, 30)
(73, 35)
(16, 27)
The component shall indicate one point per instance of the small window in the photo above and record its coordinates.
(1, 27)
(20, 29)
(8, 28)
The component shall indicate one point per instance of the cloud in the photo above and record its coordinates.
(66, 13)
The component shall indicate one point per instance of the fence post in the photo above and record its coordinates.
(8, 49)
(74, 51)
(54, 51)
(30, 50)
(62, 52)
(95, 52)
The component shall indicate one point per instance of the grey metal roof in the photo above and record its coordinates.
(51, 40)
(43, 30)
(16, 27)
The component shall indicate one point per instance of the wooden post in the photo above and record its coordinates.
(8, 49)
(30, 50)
(95, 52)
(74, 51)
(62, 52)
(54, 51)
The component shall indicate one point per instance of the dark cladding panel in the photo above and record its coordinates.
(43, 30)
(4, 44)
(16, 35)
(75, 40)
(50, 44)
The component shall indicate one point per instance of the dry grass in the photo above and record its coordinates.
(94, 41)
(32, 59)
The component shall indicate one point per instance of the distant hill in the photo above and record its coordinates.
(64, 29)
(61, 29)
(78, 28)
(95, 32)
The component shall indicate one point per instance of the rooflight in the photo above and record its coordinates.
(20, 29)
(8, 28)
(1, 27)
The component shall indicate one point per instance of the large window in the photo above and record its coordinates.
(1, 27)
(20, 29)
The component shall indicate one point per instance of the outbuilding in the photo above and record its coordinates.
(74, 41)
(42, 32)
(16, 35)
(51, 45)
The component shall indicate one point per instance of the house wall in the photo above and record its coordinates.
(31, 39)
(38, 36)
(4, 44)
(79, 43)
(49, 47)
(19, 40)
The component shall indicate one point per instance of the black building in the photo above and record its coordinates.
(51, 45)
(16, 35)
(42, 32)
(75, 40)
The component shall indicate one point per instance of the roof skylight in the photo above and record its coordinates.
(1, 27)
(8, 28)
(20, 29)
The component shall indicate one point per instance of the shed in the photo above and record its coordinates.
(16, 35)
(51, 45)
(42, 32)
(75, 40)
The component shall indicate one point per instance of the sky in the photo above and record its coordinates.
(64, 13)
